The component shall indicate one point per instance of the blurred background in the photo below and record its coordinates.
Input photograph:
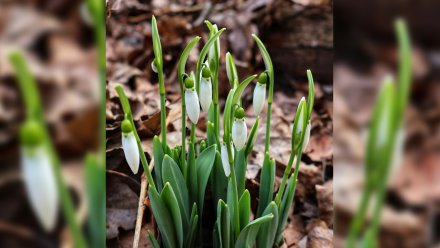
(56, 39)
(298, 35)
(366, 51)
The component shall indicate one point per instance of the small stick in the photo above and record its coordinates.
(141, 208)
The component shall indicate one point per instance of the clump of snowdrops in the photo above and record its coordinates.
(384, 145)
(183, 173)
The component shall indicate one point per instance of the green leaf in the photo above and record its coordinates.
(382, 132)
(157, 47)
(240, 170)
(269, 66)
(158, 156)
(267, 182)
(227, 117)
(163, 218)
(249, 233)
(191, 179)
(171, 174)
(268, 230)
(244, 206)
(223, 222)
(153, 240)
(204, 165)
(404, 67)
(232, 69)
(286, 204)
(193, 223)
(169, 198)
(252, 137)
(202, 55)
(218, 180)
(311, 96)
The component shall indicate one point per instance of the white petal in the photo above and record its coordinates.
(259, 98)
(228, 71)
(192, 105)
(40, 184)
(239, 133)
(131, 151)
(205, 94)
(307, 136)
(225, 160)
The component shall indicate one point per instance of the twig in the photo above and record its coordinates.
(141, 208)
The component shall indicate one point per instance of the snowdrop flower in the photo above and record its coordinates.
(260, 93)
(225, 159)
(191, 100)
(239, 129)
(129, 145)
(38, 175)
(153, 65)
(205, 89)
(307, 135)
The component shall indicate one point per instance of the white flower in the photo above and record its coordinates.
(40, 184)
(239, 129)
(260, 94)
(131, 151)
(307, 135)
(225, 160)
(205, 89)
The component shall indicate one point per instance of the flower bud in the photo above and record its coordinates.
(191, 101)
(307, 135)
(129, 145)
(225, 160)
(38, 175)
(260, 94)
(239, 129)
(154, 66)
(205, 89)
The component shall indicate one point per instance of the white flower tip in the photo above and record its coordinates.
(259, 98)
(131, 151)
(225, 160)
(153, 66)
(239, 133)
(192, 105)
(40, 184)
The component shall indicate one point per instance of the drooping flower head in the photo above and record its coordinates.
(191, 100)
(205, 88)
(129, 145)
(239, 129)
(38, 175)
(260, 93)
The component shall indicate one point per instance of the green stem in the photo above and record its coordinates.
(267, 140)
(358, 220)
(183, 153)
(193, 133)
(284, 180)
(163, 113)
(236, 210)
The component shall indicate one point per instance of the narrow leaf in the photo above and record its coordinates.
(169, 198)
(163, 218)
(244, 206)
(266, 234)
(153, 240)
(249, 233)
(252, 137)
(204, 165)
(158, 156)
(267, 182)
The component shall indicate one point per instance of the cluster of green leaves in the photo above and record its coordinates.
(381, 145)
(183, 173)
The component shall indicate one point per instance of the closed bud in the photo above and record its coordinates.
(239, 129)
(191, 101)
(225, 160)
(129, 146)
(205, 89)
(154, 66)
(38, 175)
(259, 96)
(307, 135)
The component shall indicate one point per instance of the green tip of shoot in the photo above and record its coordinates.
(262, 79)
(239, 113)
(126, 126)
(189, 83)
(31, 134)
(206, 73)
